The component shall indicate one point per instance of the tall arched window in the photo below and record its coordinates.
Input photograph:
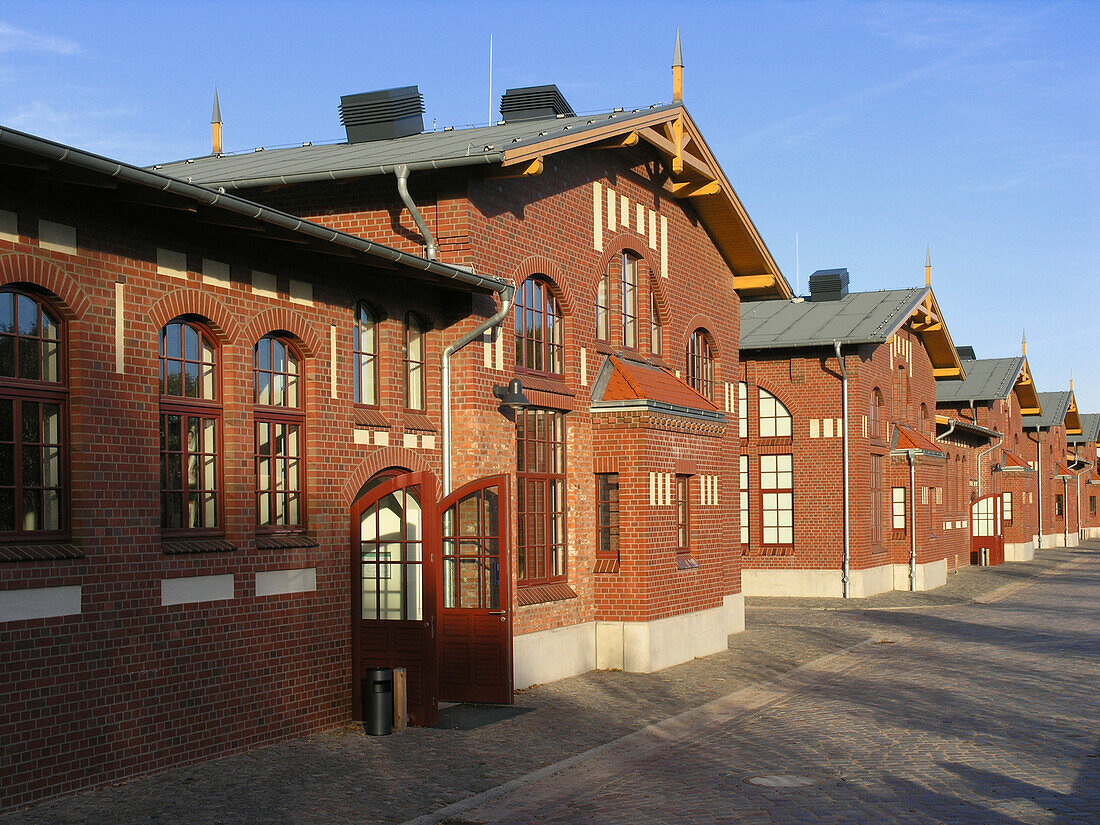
(366, 356)
(603, 307)
(629, 294)
(656, 329)
(876, 414)
(415, 390)
(775, 418)
(190, 426)
(280, 419)
(539, 329)
(33, 427)
(700, 363)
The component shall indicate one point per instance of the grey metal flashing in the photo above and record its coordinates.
(1055, 405)
(857, 318)
(231, 203)
(962, 425)
(649, 405)
(987, 379)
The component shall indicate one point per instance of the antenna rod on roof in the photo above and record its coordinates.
(797, 280)
(490, 121)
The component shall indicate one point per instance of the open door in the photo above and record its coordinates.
(475, 615)
(394, 571)
(987, 531)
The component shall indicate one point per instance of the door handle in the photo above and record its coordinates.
(497, 612)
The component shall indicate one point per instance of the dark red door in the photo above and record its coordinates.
(987, 531)
(395, 568)
(475, 617)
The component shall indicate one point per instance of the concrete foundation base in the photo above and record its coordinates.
(637, 647)
(928, 576)
(1021, 551)
(1059, 540)
(828, 583)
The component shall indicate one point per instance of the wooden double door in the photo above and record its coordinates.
(987, 530)
(431, 591)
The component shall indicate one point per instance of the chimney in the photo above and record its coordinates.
(534, 103)
(828, 285)
(966, 353)
(383, 115)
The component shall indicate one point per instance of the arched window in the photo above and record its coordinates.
(603, 307)
(414, 362)
(629, 295)
(366, 356)
(876, 414)
(656, 329)
(539, 328)
(33, 426)
(775, 418)
(190, 427)
(901, 394)
(279, 419)
(700, 363)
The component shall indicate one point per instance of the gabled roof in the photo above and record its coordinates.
(1059, 408)
(857, 318)
(905, 439)
(623, 384)
(992, 379)
(519, 150)
(1011, 462)
(1061, 470)
(1090, 430)
(152, 190)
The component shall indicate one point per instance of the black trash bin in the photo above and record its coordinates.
(378, 701)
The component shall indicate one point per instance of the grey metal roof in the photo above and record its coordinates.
(434, 150)
(858, 318)
(1055, 406)
(220, 203)
(987, 379)
(1090, 429)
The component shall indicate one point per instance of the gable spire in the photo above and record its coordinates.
(1024, 343)
(677, 71)
(928, 266)
(216, 126)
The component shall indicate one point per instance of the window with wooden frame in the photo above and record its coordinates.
(1006, 507)
(540, 333)
(33, 420)
(901, 386)
(682, 491)
(415, 391)
(628, 293)
(924, 430)
(777, 499)
(742, 410)
(744, 508)
(876, 500)
(1092, 505)
(775, 418)
(603, 307)
(540, 496)
(898, 508)
(700, 363)
(190, 430)
(876, 414)
(607, 515)
(656, 328)
(279, 418)
(366, 356)
(1059, 505)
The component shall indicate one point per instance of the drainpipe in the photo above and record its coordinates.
(982, 455)
(1039, 473)
(845, 577)
(912, 522)
(431, 249)
(1065, 515)
(507, 293)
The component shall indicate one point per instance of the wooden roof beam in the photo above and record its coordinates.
(694, 189)
(528, 169)
(619, 141)
(741, 282)
(665, 145)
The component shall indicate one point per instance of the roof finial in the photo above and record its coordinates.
(1071, 381)
(928, 266)
(216, 125)
(677, 72)
(1024, 342)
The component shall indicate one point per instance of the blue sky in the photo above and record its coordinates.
(869, 129)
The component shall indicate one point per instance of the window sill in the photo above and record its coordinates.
(686, 562)
(180, 547)
(542, 593)
(608, 565)
(419, 422)
(284, 541)
(370, 417)
(58, 551)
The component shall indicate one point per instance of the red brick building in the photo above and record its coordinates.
(829, 509)
(1047, 450)
(1087, 481)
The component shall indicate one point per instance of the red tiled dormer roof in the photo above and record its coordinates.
(906, 438)
(630, 381)
(1011, 461)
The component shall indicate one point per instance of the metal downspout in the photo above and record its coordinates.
(1039, 473)
(913, 523)
(1065, 515)
(431, 249)
(506, 296)
(846, 581)
(981, 455)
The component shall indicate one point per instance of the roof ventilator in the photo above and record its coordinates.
(534, 103)
(828, 285)
(383, 115)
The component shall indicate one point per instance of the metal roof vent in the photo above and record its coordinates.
(383, 115)
(966, 353)
(828, 285)
(534, 103)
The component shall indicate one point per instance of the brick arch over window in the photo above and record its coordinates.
(192, 302)
(781, 396)
(68, 297)
(701, 321)
(657, 289)
(281, 319)
(376, 463)
(628, 242)
(552, 274)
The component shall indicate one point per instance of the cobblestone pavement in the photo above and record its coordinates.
(976, 712)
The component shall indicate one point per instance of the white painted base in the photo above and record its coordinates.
(1059, 540)
(817, 583)
(1022, 551)
(928, 576)
(39, 603)
(1092, 533)
(637, 647)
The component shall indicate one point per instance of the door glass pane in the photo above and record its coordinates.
(370, 590)
(414, 608)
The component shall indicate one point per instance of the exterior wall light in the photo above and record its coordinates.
(511, 395)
